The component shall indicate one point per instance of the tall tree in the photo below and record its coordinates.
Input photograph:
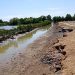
(1, 21)
(14, 21)
(74, 17)
(68, 17)
(49, 17)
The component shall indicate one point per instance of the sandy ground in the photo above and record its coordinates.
(69, 41)
(51, 54)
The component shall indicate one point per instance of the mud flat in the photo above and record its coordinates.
(51, 54)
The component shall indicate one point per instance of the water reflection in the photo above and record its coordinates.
(19, 44)
(5, 47)
(7, 27)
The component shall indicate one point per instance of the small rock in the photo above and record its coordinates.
(47, 60)
(63, 52)
(43, 74)
(58, 68)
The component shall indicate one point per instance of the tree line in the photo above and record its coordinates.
(68, 17)
(25, 21)
(31, 20)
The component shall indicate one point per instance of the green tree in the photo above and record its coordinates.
(49, 17)
(42, 18)
(68, 17)
(74, 17)
(21, 20)
(1, 21)
(14, 21)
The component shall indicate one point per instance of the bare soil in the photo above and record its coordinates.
(51, 54)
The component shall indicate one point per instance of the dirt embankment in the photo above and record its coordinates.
(51, 54)
(69, 41)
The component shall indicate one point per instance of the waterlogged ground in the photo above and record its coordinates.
(10, 47)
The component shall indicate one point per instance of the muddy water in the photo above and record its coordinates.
(11, 47)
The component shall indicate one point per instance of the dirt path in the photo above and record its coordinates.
(51, 54)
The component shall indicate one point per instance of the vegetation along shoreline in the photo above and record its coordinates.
(27, 24)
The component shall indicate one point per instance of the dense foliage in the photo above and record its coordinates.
(25, 21)
(31, 20)
(68, 17)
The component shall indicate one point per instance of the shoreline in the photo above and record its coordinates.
(45, 56)
(32, 54)
(19, 35)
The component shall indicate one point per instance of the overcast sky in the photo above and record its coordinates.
(35, 8)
